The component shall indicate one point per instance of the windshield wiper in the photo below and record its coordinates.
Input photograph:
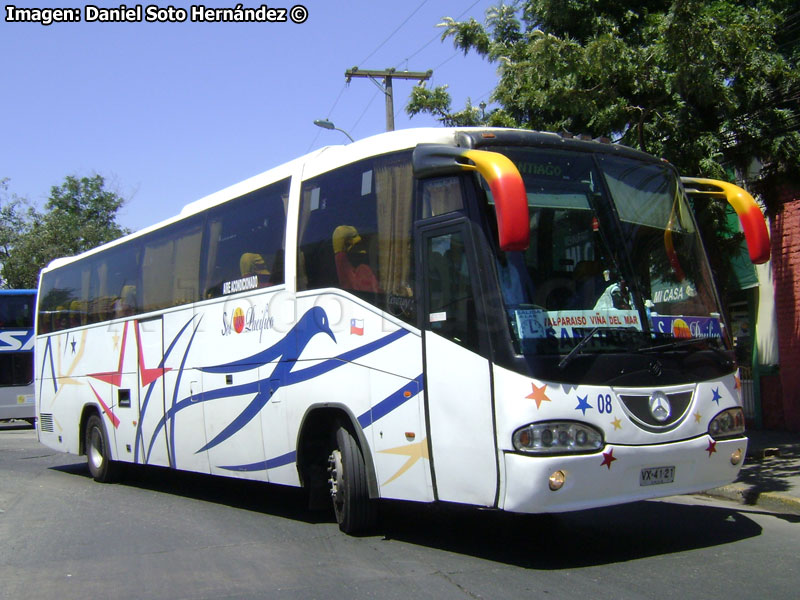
(585, 340)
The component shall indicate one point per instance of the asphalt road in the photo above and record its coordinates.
(165, 535)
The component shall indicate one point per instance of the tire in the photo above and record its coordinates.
(355, 512)
(98, 453)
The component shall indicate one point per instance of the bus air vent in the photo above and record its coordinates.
(46, 422)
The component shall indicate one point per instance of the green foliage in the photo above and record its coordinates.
(80, 214)
(710, 86)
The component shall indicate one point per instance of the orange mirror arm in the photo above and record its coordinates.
(508, 191)
(749, 213)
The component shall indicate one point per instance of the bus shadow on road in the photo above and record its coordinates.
(571, 540)
(556, 541)
(256, 496)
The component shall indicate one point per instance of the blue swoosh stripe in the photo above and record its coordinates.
(388, 404)
(288, 377)
(380, 410)
(349, 356)
(262, 465)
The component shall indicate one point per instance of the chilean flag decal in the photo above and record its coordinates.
(356, 326)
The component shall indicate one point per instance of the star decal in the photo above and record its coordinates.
(583, 404)
(62, 375)
(717, 396)
(414, 452)
(106, 409)
(114, 377)
(608, 458)
(539, 394)
(73, 343)
(697, 416)
(712, 447)
(147, 376)
(617, 423)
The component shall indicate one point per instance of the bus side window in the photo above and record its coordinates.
(441, 195)
(245, 239)
(170, 266)
(355, 233)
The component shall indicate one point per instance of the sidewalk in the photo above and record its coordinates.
(770, 477)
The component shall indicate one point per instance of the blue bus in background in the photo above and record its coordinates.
(16, 355)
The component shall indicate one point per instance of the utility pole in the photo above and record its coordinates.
(386, 88)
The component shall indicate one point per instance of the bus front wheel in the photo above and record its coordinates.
(98, 453)
(348, 485)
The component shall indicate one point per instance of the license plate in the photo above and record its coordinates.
(657, 475)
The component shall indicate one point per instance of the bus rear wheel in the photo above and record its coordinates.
(98, 453)
(347, 478)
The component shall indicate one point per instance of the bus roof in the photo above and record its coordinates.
(329, 157)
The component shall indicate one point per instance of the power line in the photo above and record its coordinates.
(437, 36)
(392, 34)
(399, 27)
(388, 75)
(371, 100)
(335, 102)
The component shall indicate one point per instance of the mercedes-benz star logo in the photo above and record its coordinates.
(660, 407)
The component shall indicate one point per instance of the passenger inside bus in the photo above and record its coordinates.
(589, 284)
(350, 256)
(252, 263)
(125, 305)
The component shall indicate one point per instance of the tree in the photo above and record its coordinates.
(16, 215)
(80, 214)
(710, 86)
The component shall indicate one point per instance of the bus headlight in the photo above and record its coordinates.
(728, 423)
(557, 437)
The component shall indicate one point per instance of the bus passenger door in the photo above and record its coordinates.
(458, 391)
(151, 440)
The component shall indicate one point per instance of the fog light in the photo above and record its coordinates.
(557, 480)
(736, 457)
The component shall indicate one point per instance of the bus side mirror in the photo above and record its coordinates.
(749, 213)
(505, 184)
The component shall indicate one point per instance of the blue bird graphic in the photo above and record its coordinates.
(286, 352)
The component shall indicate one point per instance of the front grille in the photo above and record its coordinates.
(46, 422)
(638, 408)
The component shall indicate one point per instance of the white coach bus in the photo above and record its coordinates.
(498, 318)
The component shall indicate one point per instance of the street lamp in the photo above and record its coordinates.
(326, 124)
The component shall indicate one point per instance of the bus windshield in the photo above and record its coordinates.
(615, 262)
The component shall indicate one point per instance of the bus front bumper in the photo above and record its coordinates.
(619, 474)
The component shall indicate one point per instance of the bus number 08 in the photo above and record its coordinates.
(604, 403)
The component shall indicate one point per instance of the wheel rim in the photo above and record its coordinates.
(336, 482)
(96, 448)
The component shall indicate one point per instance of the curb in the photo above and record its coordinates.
(750, 496)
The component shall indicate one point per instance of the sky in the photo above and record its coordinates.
(170, 112)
